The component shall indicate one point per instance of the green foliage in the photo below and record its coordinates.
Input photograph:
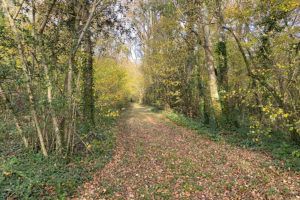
(111, 86)
(259, 90)
(29, 175)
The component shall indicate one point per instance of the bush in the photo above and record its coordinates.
(29, 175)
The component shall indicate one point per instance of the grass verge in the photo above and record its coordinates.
(285, 153)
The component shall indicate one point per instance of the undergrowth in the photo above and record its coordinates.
(29, 175)
(285, 153)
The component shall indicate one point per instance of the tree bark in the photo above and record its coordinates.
(88, 85)
(213, 82)
(88, 90)
(222, 48)
(57, 133)
(223, 59)
(77, 41)
(58, 139)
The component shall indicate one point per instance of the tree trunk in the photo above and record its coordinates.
(16, 121)
(222, 59)
(27, 79)
(88, 85)
(69, 82)
(58, 140)
(69, 114)
(57, 133)
(209, 59)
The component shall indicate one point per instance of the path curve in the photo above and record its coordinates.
(156, 159)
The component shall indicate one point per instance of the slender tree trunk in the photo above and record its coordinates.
(16, 121)
(222, 49)
(69, 114)
(49, 84)
(27, 79)
(34, 112)
(57, 133)
(213, 82)
(223, 59)
(295, 136)
(69, 82)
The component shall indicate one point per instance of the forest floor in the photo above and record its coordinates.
(156, 159)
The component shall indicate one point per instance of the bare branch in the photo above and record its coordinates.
(19, 10)
(86, 26)
(42, 28)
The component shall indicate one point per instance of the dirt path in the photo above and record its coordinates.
(156, 159)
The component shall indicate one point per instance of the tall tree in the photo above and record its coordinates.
(210, 63)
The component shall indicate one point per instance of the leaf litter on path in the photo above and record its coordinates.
(154, 160)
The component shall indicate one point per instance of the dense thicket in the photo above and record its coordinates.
(230, 63)
(47, 51)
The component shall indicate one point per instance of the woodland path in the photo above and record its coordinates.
(156, 159)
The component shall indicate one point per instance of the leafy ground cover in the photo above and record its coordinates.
(157, 159)
(29, 175)
(284, 152)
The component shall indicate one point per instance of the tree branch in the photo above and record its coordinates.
(42, 28)
(251, 74)
(86, 26)
(19, 10)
